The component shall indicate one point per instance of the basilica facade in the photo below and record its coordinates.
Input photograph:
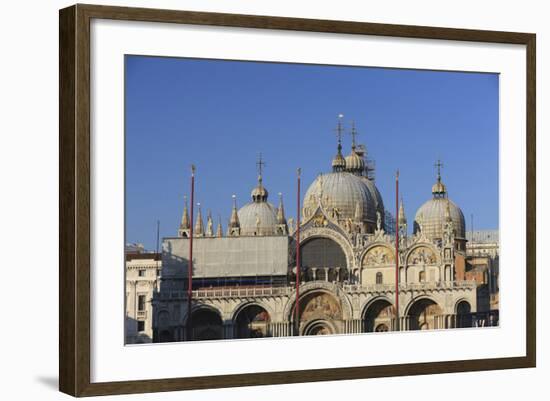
(244, 276)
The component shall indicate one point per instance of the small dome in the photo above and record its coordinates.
(432, 215)
(430, 218)
(354, 163)
(340, 193)
(258, 218)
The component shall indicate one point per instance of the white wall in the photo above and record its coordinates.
(28, 201)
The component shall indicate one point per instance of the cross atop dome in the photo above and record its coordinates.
(438, 165)
(353, 134)
(260, 194)
(339, 129)
(260, 164)
(339, 163)
(438, 189)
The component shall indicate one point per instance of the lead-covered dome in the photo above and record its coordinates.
(258, 217)
(342, 194)
(432, 215)
(430, 218)
(378, 202)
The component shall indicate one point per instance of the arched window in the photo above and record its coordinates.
(322, 252)
(379, 278)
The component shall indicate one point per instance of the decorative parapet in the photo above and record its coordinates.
(236, 292)
(429, 286)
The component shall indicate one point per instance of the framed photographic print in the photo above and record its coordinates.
(250, 200)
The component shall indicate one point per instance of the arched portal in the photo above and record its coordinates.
(318, 313)
(206, 325)
(252, 322)
(422, 314)
(322, 256)
(463, 314)
(378, 316)
(319, 328)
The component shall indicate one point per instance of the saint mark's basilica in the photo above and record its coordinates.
(244, 276)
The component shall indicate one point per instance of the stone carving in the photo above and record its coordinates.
(290, 224)
(378, 221)
(420, 222)
(379, 255)
(320, 221)
(421, 255)
(349, 226)
(448, 232)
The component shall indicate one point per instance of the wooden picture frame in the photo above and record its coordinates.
(75, 208)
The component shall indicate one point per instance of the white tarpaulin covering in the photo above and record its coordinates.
(227, 256)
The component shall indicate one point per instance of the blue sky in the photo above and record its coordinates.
(220, 114)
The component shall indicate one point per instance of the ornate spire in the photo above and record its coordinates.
(234, 220)
(185, 217)
(209, 225)
(402, 219)
(339, 163)
(219, 230)
(438, 189)
(448, 211)
(448, 225)
(281, 211)
(199, 226)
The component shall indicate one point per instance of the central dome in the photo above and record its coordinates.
(342, 195)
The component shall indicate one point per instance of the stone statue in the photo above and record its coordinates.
(378, 220)
(420, 222)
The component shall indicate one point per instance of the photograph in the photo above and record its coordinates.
(271, 199)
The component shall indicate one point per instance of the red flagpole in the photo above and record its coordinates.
(190, 262)
(397, 251)
(297, 304)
